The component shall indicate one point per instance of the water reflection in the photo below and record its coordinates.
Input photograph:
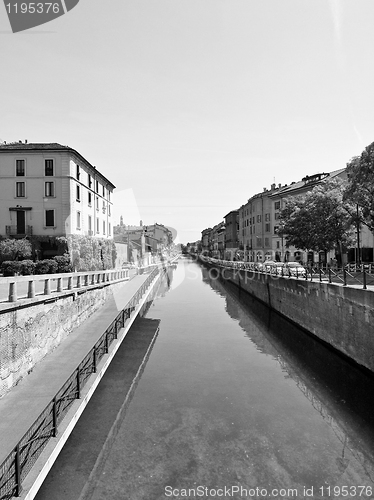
(340, 391)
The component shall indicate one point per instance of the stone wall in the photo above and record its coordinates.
(339, 315)
(28, 333)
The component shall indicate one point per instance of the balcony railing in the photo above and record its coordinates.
(17, 231)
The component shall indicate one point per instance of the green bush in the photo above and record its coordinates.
(12, 249)
(46, 266)
(11, 267)
(63, 263)
(27, 267)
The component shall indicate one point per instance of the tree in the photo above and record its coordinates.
(12, 249)
(319, 221)
(360, 187)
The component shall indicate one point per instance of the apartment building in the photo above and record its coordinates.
(258, 221)
(52, 190)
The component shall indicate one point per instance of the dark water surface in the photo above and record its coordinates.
(235, 398)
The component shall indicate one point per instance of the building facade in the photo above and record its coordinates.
(52, 190)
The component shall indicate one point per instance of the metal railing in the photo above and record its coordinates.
(46, 284)
(24, 455)
(17, 230)
(350, 275)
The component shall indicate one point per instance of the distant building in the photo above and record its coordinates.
(258, 221)
(52, 190)
(232, 235)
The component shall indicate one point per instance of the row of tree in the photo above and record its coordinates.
(327, 217)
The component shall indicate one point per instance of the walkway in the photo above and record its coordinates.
(23, 404)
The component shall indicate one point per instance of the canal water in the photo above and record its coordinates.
(234, 402)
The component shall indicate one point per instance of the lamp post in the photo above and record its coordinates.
(358, 259)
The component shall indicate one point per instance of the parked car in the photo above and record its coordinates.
(295, 269)
(279, 268)
(269, 265)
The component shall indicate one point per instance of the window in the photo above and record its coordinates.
(20, 168)
(108, 195)
(267, 244)
(103, 191)
(78, 172)
(103, 226)
(258, 241)
(267, 227)
(97, 226)
(259, 218)
(20, 189)
(89, 224)
(109, 229)
(277, 205)
(109, 213)
(89, 180)
(278, 244)
(276, 215)
(97, 186)
(49, 218)
(49, 189)
(78, 189)
(267, 217)
(78, 220)
(97, 203)
(276, 229)
(89, 199)
(48, 168)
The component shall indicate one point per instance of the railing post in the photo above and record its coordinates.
(70, 283)
(94, 360)
(78, 384)
(329, 274)
(106, 344)
(13, 291)
(59, 284)
(31, 291)
(364, 276)
(54, 417)
(47, 287)
(345, 276)
(17, 471)
(78, 281)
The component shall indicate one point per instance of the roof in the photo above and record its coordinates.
(311, 180)
(52, 146)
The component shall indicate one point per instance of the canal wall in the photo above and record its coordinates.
(32, 328)
(341, 316)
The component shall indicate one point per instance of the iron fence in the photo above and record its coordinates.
(19, 462)
(350, 275)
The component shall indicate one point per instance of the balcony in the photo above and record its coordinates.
(18, 230)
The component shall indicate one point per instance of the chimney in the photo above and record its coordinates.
(25, 141)
(279, 185)
(273, 186)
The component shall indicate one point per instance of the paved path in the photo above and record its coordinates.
(85, 451)
(23, 404)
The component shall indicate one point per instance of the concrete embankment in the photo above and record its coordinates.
(30, 329)
(341, 316)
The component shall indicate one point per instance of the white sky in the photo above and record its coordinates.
(193, 106)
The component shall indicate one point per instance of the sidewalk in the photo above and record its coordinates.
(23, 404)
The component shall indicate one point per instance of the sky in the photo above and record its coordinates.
(190, 107)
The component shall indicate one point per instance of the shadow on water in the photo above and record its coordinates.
(340, 390)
